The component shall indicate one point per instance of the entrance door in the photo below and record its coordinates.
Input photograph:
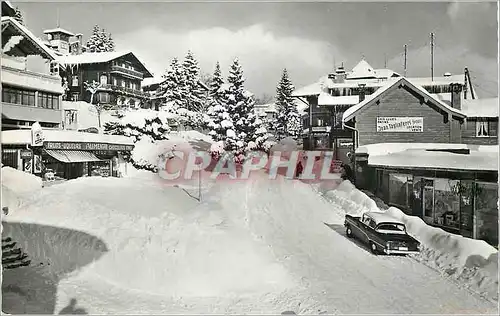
(428, 201)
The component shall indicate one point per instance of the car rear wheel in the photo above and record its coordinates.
(373, 248)
(348, 231)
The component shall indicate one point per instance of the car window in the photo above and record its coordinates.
(366, 220)
(372, 223)
(393, 228)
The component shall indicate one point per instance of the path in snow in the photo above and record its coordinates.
(258, 246)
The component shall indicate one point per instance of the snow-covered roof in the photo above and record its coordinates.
(350, 113)
(385, 73)
(96, 58)
(22, 137)
(380, 217)
(423, 159)
(312, 89)
(362, 70)
(327, 99)
(58, 30)
(481, 107)
(7, 20)
(152, 81)
(388, 148)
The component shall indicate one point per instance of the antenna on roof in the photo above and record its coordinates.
(385, 60)
(58, 19)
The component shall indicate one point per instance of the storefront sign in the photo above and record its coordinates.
(345, 143)
(36, 135)
(27, 165)
(319, 129)
(38, 164)
(400, 124)
(321, 134)
(87, 146)
(26, 154)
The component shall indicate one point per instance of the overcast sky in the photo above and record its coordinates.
(306, 38)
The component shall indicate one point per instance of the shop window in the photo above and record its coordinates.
(74, 81)
(446, 203)
(482, 129)
(428, 200)
(123, 83)
(400, 189)
(487, 212)
(115, 82)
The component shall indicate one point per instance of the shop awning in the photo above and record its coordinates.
(69, 156)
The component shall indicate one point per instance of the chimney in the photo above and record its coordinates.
(456, 90)
(447, 74)
(340, 74)
(361, 92)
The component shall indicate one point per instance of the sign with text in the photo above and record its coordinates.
(346, 143)
(87, 146)
(26, 154)
(400, 124)
(36, 135)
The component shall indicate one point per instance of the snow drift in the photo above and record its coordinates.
(473, 262)
(16, 186)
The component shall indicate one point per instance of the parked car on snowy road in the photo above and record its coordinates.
(383, 233)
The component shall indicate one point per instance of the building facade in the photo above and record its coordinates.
(119, 75)
(416, 152)
(334, 94)
(31, 86)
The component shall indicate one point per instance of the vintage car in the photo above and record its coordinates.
(383, 233)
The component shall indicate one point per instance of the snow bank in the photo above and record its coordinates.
(472, 262)
(17, 185)
(147, 153)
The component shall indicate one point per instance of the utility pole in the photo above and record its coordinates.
(406, 54)
(432, 56)
(465, 83)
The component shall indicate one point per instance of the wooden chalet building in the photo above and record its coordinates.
(120, 74)
(332, 95)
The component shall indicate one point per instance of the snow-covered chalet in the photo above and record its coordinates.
(120, 73)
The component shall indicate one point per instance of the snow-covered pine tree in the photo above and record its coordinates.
(19, 16)
(173, 89)
(103, 40)
(194, 97)
(287, 122)
(93, 41)
(219, 119)
(111, 43)
(240, 103)
(217, 80)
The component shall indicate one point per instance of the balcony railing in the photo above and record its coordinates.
(130, 72)
(32, 80)
(133, 92)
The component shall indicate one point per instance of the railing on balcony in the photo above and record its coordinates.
(127, 71)
(123, 89)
